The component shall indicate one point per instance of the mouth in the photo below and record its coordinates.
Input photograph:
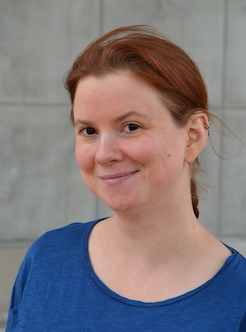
(118, 177)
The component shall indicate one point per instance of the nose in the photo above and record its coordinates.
(108, 150)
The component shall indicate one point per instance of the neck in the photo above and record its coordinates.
(150, 239)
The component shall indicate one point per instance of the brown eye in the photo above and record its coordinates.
(131, 127)
(88, 131)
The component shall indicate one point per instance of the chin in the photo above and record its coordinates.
(121, 204)
(118, 207)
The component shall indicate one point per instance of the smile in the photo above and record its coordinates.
(116, 178)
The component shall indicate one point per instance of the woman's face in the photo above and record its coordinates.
(129, 150)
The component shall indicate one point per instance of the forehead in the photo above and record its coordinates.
(120, 80)
(114, 90)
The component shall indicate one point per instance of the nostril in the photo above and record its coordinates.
(108, 151)
(103, 162)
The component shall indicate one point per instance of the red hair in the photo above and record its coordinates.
(144, 52)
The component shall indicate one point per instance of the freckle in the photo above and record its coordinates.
(169, 155)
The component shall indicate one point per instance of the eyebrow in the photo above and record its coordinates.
(84, 122)
(118, 119)
(131, 113)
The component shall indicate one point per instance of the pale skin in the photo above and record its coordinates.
(134, 157)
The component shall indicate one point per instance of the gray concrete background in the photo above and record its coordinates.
(40, 183)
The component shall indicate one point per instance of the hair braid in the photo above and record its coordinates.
(194, 196)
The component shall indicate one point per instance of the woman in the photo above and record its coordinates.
(139, 108)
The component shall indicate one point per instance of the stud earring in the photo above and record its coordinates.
(188, 161)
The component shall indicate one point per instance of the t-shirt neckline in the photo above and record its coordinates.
(137, 303)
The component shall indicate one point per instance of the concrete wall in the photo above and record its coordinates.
(40, 183)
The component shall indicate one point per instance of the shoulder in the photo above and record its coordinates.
(74, 230)
(230, 282)
(56, 246)
(239, 272)
(64, 237)
(50, 255)
(235, 268)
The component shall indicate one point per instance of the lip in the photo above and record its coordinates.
(117, 177)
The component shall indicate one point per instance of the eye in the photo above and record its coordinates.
(130, 127)
(88, 131)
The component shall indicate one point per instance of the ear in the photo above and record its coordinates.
(197, 131)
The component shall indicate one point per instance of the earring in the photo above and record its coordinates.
(206, 126)
(188, 160)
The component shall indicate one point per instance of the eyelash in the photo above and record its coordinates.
(84, 131)
(137, 126)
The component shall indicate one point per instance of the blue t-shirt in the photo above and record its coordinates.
(56, 289)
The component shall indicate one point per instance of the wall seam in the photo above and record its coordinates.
(223, 108)
(101, 25)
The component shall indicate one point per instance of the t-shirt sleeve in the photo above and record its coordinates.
(18, 290)
(38, 280)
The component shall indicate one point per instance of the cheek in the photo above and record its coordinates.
(141, 151)
(85, 157)
(155, 158)
(161, 159)
(152, 151)
(85, 160)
